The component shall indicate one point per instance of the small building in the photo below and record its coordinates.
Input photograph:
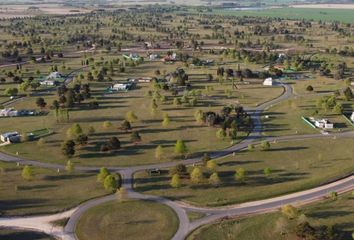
(123, 86)
(8, 112)
(144, 79)
(153, 57)
(49, 82)
(170, 58)
(324, 124)
(352, 117)
(268, 82)
(10, 137)
(54, 75)
(132, 56)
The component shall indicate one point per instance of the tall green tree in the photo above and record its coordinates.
(181, 148)
(196, 175)
(27, 173)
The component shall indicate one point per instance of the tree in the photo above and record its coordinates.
(196, 175)
(333, 195)
(198, 115)
(309, 88)
(27, 173)
(166, 120)
(135, 137)
(68, 148)
(40, 102)
(214, 179)
(125, 125)
(107, 124)
(11, 91)
(348, 93)
(265, 145)
(114, 143)
(91, 130)
(131, 117)
(221, 134)
(69, 166)
(233, 133)
(205, 158)
(110, 183)
(175, 181)
(181, 148)
(180, 169)
(338, 108)
(267, 171)
(158, 152)
(211, 165)
(240, 175)
(75, 131)
(102, 174)
(289, 211)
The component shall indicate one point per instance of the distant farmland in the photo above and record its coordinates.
(342, 15)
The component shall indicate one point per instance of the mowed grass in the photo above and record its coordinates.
(128, 220)
(295, 166)
(285, 117)
(113, 107)
(320, 84)
(14, 234)
(337, 213)
(48, 191)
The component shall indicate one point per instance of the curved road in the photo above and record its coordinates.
(42, 223)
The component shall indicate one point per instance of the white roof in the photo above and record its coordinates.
(9, 134)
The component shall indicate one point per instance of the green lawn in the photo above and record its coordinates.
(113, 107)
(48, 192)
(12, 234)
(337, 213)
(295, 166)
(128, 220)
(285, 117)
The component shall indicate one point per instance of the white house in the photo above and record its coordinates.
(8, 112)
(323, 123)
(54, 75)
(268, 82)
(153, 57)
(120, 87)
(10, 137)
(48, 82)
(352, 117)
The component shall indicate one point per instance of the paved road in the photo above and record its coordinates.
(212, 214)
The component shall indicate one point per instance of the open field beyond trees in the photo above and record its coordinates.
(333, 213)
(294, 166)
(47, 192)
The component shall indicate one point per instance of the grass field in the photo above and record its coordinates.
(281, 121)
(295, 166)
(113, 108)
(48, 192)
(12, 234)
(316, 14)
(128, 220)
(337, 213)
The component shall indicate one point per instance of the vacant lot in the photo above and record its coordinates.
(47, 192)
(295, 166)
(127, 220)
